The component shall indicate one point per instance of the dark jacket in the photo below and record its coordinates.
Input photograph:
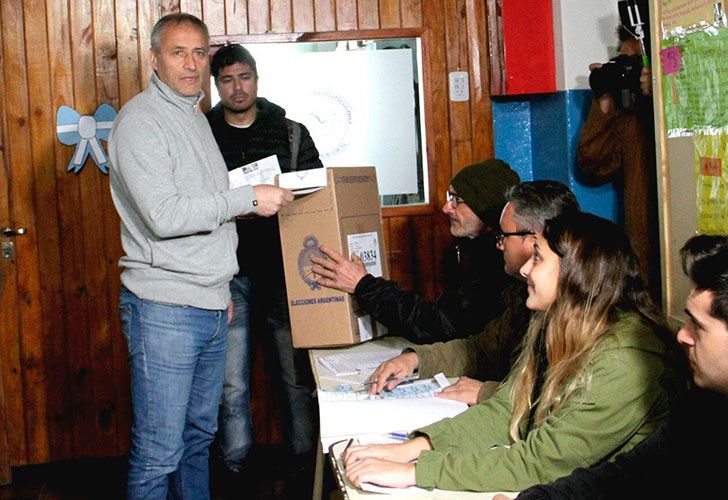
(472, 296)
(685, 458)
(259, 247)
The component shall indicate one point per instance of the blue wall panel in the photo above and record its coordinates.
(538, 136)
(512, 135)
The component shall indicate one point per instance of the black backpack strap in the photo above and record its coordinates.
(294, 141)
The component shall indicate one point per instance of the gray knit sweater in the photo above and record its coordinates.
(170, 186)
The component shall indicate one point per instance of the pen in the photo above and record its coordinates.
(406, 378)
(347, 445)
(398, 435)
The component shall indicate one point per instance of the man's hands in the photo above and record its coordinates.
(271, 199)
(398, 366)
(337, 271)
(385, 464)
(465, 390)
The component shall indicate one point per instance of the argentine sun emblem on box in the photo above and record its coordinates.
(310, 249)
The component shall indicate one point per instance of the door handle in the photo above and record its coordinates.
(7, 232)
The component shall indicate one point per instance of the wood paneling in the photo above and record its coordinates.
(303, 16)
(17, 158)
(389, 14)
(258, 16)
(63, 370)
(368, 14)
(236, 16)
(346, 15)
(7, 317)
(325, 15)
(281, 20)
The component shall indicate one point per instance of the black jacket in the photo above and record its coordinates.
(259, 247)
(474, 281)
(685, 458)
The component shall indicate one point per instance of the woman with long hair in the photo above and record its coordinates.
(595, 376)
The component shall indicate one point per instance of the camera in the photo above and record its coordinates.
(619, 77)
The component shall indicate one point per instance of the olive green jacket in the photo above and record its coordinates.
(487, 356)
(627, 397)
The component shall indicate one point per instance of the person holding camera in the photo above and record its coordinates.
(617, 144)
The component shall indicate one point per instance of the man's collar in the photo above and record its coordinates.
(173, 95)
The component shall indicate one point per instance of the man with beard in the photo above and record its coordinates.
(248, 128)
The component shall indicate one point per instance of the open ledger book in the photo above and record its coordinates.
(368, 491)
(349, 411)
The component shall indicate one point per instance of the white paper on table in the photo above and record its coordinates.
(262, 171)
(347, 418)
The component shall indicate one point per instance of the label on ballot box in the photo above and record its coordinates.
(344, 214)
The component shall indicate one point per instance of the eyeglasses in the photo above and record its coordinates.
(453, 198)
(500, 236)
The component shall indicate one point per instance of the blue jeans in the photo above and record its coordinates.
(177, 361)
(257, 307)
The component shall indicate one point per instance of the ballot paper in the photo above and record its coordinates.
(303, 181)
(262, 171)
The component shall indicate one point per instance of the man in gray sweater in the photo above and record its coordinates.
(170, 186)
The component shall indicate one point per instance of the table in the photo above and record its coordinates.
(326, 381)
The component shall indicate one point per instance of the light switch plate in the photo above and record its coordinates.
(459, 86)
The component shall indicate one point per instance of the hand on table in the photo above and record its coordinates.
(381, 472)
(398, 366)
(384, 464)
(337, 271)
(465, 390)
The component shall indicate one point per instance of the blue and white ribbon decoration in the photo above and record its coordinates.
(85, 132)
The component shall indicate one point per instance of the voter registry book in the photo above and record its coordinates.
(349, 411)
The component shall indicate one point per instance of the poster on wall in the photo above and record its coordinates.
(695, 82)
(711, 174)
(680, 16)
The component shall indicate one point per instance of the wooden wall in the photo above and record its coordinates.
(62, 357)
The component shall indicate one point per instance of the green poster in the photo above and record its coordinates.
(695, 82)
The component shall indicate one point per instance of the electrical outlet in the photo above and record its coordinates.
(459, 86)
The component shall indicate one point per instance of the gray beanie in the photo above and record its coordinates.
(482, 186)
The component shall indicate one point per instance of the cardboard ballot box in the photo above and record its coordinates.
(343, 215)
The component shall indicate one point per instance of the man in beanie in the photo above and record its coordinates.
(476, 279)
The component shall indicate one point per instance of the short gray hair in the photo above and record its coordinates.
(535, 202)
(176, 19)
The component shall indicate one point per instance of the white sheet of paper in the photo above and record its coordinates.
(342, 419)
(262, 171)
(366, 246)
(303, 181)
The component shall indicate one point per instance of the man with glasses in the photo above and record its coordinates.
(473, 269)
(488, 355)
